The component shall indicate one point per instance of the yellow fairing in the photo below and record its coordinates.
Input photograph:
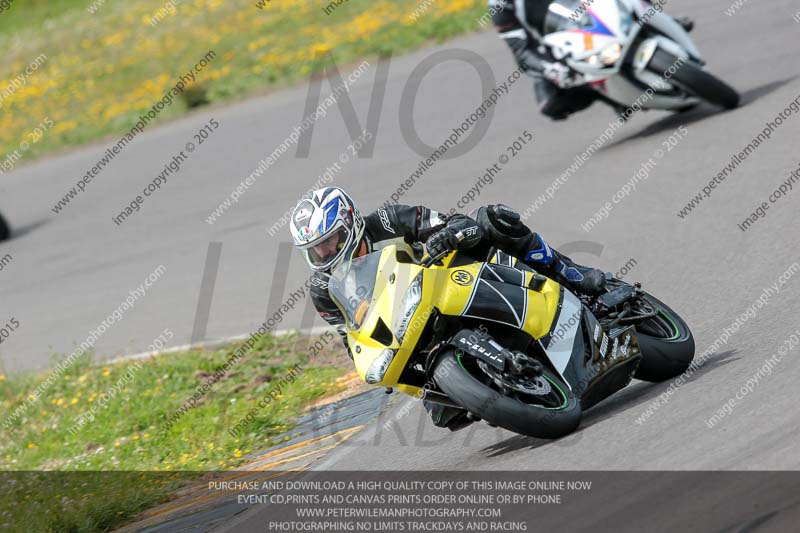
(451, 290)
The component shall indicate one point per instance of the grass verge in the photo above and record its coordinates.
(102, 70)
(126, 434)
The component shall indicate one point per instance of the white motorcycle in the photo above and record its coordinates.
(625, 48)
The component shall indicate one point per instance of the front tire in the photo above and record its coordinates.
(666, 343)
(694, 79)
(511, 413)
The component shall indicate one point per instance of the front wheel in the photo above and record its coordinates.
(542, 407)
(666, 343)
(694, 79)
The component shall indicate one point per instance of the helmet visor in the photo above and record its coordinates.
(327, 250)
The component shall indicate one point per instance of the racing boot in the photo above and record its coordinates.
(548, 260)
(558, 103)
(504, 229)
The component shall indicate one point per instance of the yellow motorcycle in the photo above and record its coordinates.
(501, 341)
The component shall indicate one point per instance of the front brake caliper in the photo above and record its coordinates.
(522, 365)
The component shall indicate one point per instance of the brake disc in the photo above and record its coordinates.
(535, 386)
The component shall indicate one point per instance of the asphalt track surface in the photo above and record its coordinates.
(69, 271)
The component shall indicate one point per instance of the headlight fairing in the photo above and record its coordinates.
(610, 54)
(377, 370)
(606, 57)
(408, 306)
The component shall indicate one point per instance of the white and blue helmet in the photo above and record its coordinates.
(327, 228)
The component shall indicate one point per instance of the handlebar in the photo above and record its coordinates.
(427, 260)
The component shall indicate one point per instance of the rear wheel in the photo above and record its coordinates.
(694, 79)
(542, 407)
(666, 343)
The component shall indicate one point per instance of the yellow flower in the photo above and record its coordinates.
(116, 444)
(2, 377)
(135, 437)
(31, 445)
(73, 401)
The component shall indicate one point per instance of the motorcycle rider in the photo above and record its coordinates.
(328, 229)
(521, 25)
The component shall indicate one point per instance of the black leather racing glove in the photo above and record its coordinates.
(440, 243)
(460, 233)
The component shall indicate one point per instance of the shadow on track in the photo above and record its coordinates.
(636, 394)
(642, 391)
(16, 233)
(699, 112)
(750, 96)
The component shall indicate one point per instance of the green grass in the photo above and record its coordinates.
(105, 69)
(81, 501)
(126, 435)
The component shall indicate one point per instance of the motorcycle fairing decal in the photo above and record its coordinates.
(597, 25)
(502, 258)
(559, 346)
(481, 346)
(461, 277)
(588, 42)
(596, 28)
(613, 347)
(503, 274)
(497, 301)
(624, 349)
(603, 350)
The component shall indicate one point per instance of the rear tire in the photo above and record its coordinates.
(664, 358)
(694, 79)
(504, 411)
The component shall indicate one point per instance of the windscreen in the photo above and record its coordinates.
(564, 15)
(351, 286)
